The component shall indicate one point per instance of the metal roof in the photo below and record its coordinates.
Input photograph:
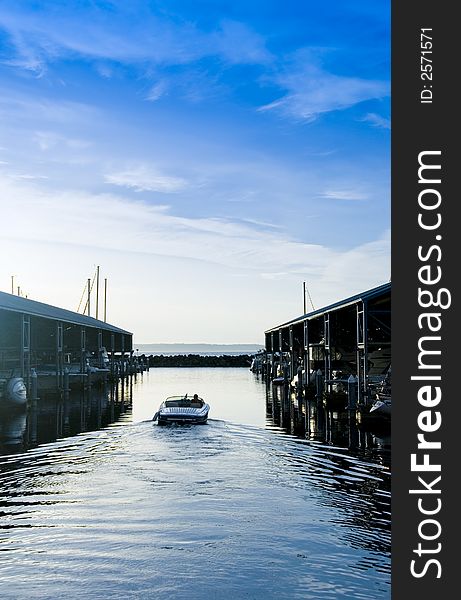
(17, 304)
(381, 290)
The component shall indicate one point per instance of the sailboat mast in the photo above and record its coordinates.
(105, 298)
(97, 291)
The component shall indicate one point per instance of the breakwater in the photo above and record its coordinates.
(197, 360)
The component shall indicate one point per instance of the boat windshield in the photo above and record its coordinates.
(184, 401)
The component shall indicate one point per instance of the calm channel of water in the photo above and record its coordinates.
(97, 502)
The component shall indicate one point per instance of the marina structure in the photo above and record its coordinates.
(340, 353)
(55, 349)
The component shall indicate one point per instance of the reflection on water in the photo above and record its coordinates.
(311, 420)
(232, 509)
(54, 416)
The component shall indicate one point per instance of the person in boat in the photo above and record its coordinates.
(196, 399)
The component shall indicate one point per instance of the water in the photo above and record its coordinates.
(236, 508)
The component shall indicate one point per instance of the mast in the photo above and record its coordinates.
(97, 291)
(105, 298)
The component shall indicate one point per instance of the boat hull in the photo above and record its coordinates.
(181, 410)
(381, 407)
(182, 414)
(181, 419)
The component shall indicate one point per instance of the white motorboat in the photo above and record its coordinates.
(382, 405)
(182, 409)
(14, 391)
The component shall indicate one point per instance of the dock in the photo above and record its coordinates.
(339, 354)
(51, 349)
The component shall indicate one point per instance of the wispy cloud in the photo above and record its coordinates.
(312, 91)
(363, 263)
(27, 56)
(263, 224)
(104, 219)
(43, 110)
(105, 70)
(156, 42)
(238, 44)
(249, 198)
(191, 83)
(153, 256)
(157, 91)
(144, 178)
(27, 176)
(41, 36)
(349, 194)
(11, 173)
(50, 139)
(377, 120)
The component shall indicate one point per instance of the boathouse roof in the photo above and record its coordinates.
(380, 290)
(17, 304)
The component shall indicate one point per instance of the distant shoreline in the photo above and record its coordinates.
(197, 353)
(198, 348)
(199, 360)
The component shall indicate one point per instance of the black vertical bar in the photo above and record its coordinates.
(425, 123)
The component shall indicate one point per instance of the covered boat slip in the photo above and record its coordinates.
(53, 341)
(328, 346)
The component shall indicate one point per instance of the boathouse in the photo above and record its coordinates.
(349, 337)
(48, 339)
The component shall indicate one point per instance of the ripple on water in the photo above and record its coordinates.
(222, 510)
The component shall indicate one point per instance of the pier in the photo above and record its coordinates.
(339, 354)
(52, 349)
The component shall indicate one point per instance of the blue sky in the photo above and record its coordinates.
(210, 156)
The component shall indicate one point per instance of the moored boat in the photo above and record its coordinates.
(382, 405)
(182, 409)
(13, 391)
